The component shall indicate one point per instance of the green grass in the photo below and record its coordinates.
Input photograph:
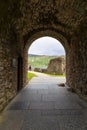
(58, 75)
(30, 75)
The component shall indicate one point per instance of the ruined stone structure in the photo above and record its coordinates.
(22, 22)
(56, 66)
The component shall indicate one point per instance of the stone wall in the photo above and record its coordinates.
(8, 71)
(77, 66)
(25, 67)
(56, 66)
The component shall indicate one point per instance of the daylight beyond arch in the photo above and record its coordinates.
(46, 46)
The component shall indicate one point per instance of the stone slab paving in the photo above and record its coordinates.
(43, 105)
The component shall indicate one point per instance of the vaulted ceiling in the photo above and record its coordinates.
(29, 16)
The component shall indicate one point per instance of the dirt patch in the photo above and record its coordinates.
(61, 85)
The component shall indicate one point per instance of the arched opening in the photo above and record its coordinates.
(51, 33)
(47, 55)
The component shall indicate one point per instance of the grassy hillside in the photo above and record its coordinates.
(39, 61)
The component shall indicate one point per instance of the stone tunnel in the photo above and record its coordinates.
(22, 22)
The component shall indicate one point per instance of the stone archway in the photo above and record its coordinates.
(73, 53)
(37, 35)
(21, 22)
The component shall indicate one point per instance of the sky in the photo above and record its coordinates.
(46, 46)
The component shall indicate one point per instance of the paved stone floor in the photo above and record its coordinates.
(43, 105)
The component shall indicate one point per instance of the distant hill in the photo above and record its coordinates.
(40, 60)
(32, 55)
